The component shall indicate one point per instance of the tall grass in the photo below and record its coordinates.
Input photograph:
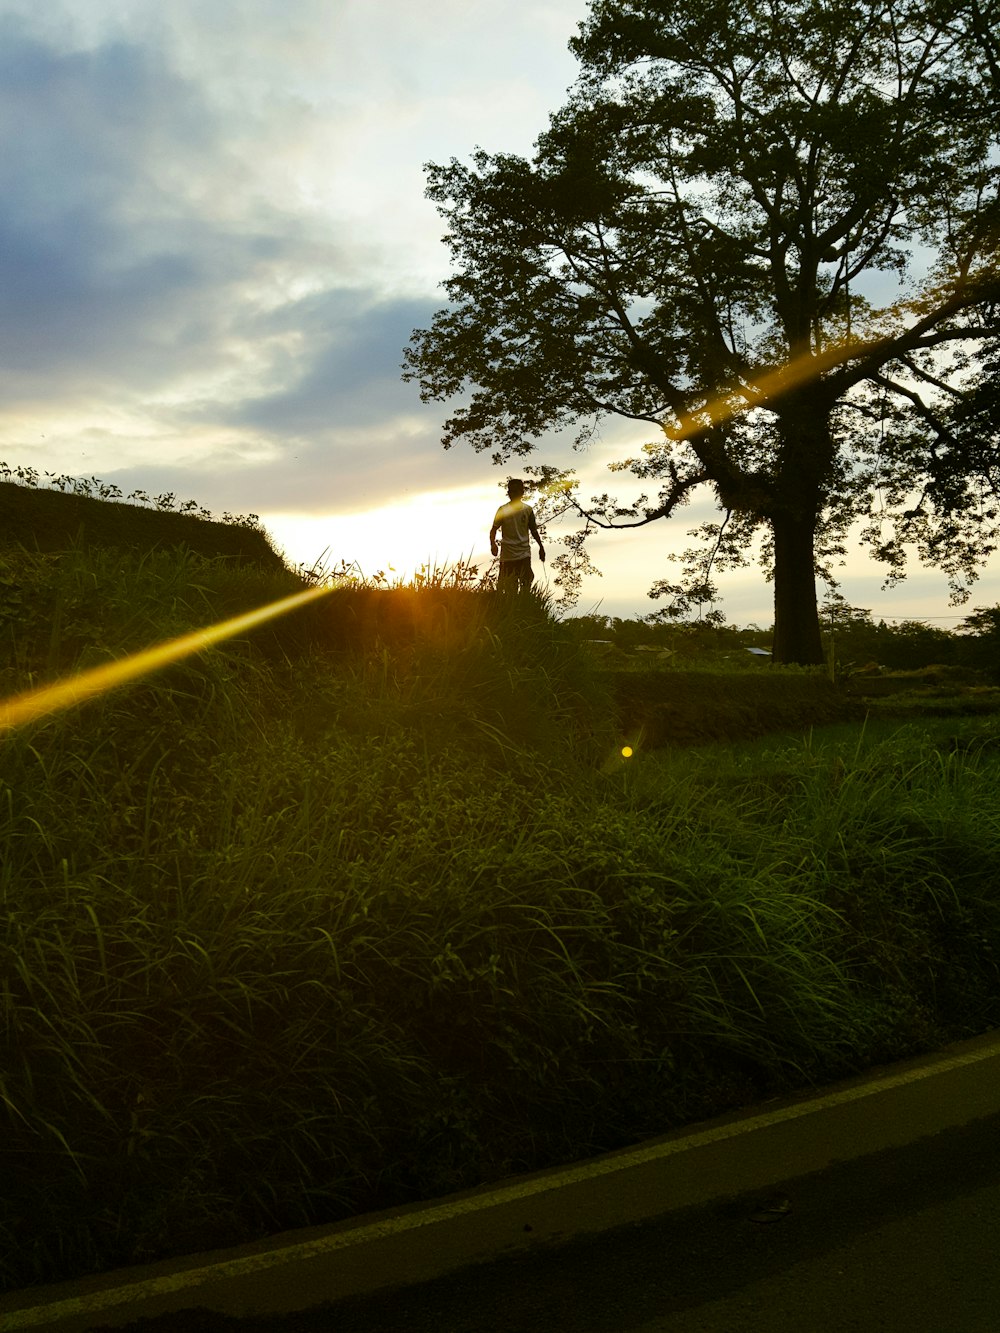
(370, 907)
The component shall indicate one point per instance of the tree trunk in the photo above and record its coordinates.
(796, 615)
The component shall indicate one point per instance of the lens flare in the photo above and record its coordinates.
(31, 705)
(766, 386)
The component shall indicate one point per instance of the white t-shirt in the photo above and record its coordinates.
(513, 519)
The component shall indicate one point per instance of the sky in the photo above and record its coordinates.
(214, 246)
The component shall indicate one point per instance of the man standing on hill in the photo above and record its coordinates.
(516, 524)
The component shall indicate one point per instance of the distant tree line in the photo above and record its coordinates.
(855, 639)
(858, 639)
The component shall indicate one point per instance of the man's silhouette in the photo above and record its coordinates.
(516, 524)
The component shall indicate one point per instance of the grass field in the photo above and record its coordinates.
(369, 906)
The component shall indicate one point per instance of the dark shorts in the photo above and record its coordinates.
(518, 570)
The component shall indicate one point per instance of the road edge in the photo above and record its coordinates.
(787, 1137)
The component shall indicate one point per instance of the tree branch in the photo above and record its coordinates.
(676, 495)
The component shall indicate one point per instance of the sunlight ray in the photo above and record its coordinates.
(30, 705)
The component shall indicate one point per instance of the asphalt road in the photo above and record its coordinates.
(906, 1241)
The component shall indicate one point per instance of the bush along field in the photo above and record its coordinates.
(369, 905)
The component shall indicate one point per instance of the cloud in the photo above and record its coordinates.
(213, 208)
(342, 470)
(112, 273)
(347, 370)
(143, 281)
(168, 328)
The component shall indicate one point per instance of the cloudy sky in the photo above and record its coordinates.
(214, 246)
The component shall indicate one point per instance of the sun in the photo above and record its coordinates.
(432, 530)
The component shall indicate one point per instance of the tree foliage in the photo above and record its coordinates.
(768, 234)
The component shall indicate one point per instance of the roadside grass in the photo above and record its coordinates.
(371, 907)
(893, 827)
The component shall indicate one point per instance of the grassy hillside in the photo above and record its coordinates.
(369, 905)
(40, 519)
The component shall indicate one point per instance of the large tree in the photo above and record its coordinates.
(770, 230)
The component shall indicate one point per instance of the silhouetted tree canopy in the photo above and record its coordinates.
(768, 232)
